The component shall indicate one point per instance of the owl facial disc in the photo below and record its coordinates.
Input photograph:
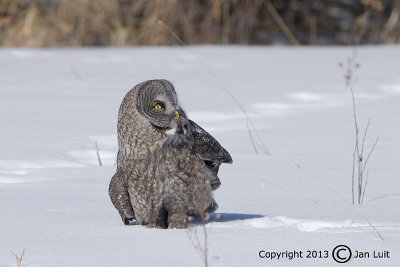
(158, 102)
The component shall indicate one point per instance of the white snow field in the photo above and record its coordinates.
(56, 103)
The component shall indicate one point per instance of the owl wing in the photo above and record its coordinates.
(207, 147)
(210, 151)
(120, 197)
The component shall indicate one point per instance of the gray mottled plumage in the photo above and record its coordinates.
(157, 149)
(168, 184)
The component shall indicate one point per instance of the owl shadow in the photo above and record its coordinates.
(226, 217)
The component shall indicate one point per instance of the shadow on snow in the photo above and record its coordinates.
(227, 217)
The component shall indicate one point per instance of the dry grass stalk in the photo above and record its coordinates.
(201, 244)
(350, 68)
(19, 258)
(200, 247)
(98, 154)
(43, 23)
(359, 162)
(391, 30)
(281, 23)
(204, 217)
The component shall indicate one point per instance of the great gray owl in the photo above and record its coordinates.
(154, 134)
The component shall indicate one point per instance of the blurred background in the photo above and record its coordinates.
(64, 23)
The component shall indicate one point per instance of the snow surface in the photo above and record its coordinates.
(56, 103)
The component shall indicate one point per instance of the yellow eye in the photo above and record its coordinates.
(177, 115)
(157, 106)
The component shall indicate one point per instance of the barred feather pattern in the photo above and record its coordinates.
(159, 155)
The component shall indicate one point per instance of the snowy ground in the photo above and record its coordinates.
(56, 103)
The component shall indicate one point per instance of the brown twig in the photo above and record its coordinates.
(19, 258)
(281, 23)
(365, 135)
(365, 186)
(361, 163)
(251, 137)
(356, 148)
(369, 154)
(352, 178)
(205, 249)
(202, 249)
(98, 154)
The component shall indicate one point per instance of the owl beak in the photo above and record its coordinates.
(178, 127)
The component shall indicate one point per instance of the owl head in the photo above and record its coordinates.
(149, 113)
(158, 103)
